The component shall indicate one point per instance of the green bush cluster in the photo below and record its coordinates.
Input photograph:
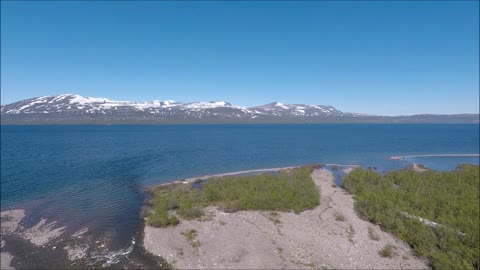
(181, 199)
(450, 199)
(162, 219)
(285, 191)
(291, 190)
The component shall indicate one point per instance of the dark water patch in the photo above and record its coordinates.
(28, 256)
(98, 252)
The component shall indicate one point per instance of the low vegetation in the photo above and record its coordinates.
(339, 216)
(273, 216)
(291, 190)
(373, 235)
(386, 251)
(406, 203)
(191, 236)
(350, 233)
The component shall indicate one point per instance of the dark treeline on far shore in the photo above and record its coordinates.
(437, 213)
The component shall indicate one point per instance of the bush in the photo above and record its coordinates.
(286, 191)
(190, 234)
(161, 219)
(173, 220)
(291, 190)
(386, 251)
(398, 199)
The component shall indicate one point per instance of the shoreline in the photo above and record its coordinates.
(316, 238)
(277, 169)
(49, 235)
(434, 155)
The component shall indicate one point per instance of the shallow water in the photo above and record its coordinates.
(94, 176)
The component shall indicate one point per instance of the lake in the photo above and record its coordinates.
(94, 176)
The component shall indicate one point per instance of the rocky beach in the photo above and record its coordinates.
(329, 236)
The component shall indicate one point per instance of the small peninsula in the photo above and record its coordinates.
(294, 219)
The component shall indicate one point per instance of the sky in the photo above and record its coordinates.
(387, 57)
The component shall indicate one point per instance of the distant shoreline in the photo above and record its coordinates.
(435, 155)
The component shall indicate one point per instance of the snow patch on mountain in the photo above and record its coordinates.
(205, 105)
(77, 99)
(73, 104)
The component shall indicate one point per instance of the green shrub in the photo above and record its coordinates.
(291, 190)
(450, 199)
(286, 191)
(386, 251)
(161, 219)
(190, 234)
(173, 220)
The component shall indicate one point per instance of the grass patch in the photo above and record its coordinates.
(273, 216)
(275, 221)
(350, 233)
(291, 190)
(160, 218)
(191, 236)
(339, 216)
(450, 199)
(373, 235)
(386, 251)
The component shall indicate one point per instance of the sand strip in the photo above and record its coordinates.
(194, 179)
(436, 155)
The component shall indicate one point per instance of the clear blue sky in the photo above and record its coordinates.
(391, 57)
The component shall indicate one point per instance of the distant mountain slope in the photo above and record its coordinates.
(75, 109)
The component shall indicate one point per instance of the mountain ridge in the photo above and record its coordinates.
(76, 109)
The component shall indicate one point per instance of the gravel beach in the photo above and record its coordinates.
(329, 236)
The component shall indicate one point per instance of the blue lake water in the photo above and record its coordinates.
(95, 175)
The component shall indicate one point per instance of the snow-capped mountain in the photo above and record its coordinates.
(76, 109)
(280, 109)
(70, 103)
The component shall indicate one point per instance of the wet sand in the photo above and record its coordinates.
(329, 236)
